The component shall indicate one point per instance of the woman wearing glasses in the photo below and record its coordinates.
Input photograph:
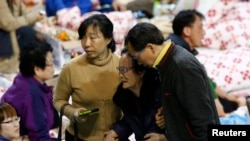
(30, 95)
(139, 98)
(9, 122)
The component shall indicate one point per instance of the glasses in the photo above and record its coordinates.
(49, 62)
(123, 70)
(49, 65)
(16, 119)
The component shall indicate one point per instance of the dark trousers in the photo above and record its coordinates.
(25, 35)
(228, 106)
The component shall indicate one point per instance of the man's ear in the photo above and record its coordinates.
(37, 70)
(151, 47)
(186, 31)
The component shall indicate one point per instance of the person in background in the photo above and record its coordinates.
(188, 105)
(139, 98)
(85, 6)
(30, 95)
(16, 20)
(9, 123)
(188, 33)
(90, 80)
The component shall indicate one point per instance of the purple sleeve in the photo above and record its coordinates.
(34, 116)
(32, 102)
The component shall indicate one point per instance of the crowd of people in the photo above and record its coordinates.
(146, 91)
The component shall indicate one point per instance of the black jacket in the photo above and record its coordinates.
(228, 106)
(139, 112)
(188, 103)
(179, 41)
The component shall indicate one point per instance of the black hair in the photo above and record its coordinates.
(142, 34)
(137, 68)
(185, 18)
(104, 24)
(33, 54)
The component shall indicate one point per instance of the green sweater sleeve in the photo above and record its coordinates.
(213, 86)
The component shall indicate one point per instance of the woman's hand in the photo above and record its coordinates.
(159, 118)
(155, 137)
(77, 118)
(118, 6)
(40, 16)
(111, 136)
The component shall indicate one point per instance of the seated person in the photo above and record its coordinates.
(188, 33)
(30, 95)
(9, 122)
(139, 98)
(16, 25)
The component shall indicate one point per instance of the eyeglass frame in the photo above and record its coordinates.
(125, 69)
(49, 65)
(16, 119)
